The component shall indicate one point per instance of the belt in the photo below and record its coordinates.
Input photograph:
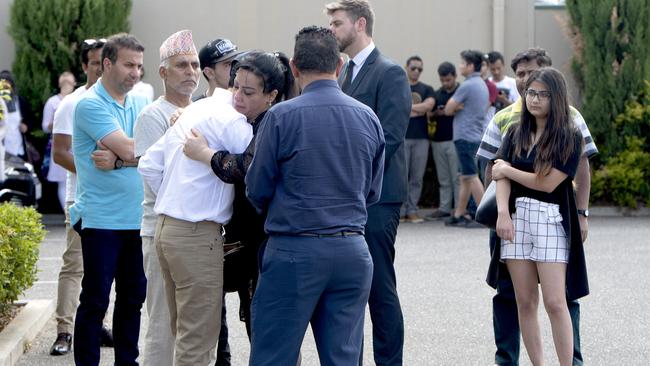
(340, 233)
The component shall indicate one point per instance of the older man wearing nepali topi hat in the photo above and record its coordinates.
(180, 73)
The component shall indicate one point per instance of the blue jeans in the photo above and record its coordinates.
(506, 323)
(466, 151)
(109, 255)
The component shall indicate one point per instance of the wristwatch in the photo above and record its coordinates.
(119, 163)
(584, 213)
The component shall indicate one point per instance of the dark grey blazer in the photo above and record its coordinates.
(382, 85)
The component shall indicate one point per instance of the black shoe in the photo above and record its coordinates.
(106, 339)
(62, 345)
(437, 215)
(455, 221)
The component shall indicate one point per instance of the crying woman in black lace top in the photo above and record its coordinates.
(258, 81)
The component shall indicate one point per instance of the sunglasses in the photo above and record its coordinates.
(418, 69)
(90, 42)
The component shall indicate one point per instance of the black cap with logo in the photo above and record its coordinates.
(216, 51)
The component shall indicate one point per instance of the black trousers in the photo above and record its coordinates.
(109, 255)
(385, 308)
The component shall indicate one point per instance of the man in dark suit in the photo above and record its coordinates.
(382, 85)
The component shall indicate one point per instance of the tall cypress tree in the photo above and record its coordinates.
(48, 35)
(613, 59)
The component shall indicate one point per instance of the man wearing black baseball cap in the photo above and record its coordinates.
(215, 58)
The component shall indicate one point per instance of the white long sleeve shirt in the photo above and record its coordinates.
(187, 189)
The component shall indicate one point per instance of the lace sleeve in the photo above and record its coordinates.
(232, 168)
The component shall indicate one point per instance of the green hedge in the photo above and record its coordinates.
(624, 179)
(48, 35)
(612, 46)
(21, 233)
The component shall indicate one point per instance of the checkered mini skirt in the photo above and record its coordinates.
(539, 234)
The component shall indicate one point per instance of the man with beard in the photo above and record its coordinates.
(107, 211)
(72, 267)
(381, 84)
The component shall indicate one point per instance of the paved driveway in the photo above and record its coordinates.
(446, 303)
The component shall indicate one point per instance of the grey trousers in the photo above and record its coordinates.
(446, 159)
(417, 152)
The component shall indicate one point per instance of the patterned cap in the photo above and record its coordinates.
(179, 43)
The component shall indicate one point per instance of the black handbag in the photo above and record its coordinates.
(487, 211)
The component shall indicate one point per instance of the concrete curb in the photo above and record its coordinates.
(23, 329)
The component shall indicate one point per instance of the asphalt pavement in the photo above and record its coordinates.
(446, 303)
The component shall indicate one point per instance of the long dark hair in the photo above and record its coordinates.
(558, 139)
(273, 69)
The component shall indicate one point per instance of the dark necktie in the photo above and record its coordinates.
(348, 77)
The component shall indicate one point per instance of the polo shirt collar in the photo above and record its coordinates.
(103, 93)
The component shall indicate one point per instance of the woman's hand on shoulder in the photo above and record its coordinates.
(196, 147)
(174, 117)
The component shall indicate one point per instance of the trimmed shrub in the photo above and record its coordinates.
(21, 233)
(624, 180)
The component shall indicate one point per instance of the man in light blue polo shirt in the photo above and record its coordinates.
(108, 210)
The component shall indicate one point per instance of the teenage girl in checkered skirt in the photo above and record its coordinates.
(538, 160)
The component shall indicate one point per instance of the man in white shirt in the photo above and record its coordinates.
(72, 267)
(180, 72)
(506, 85)
(142, 88)
(193, 206)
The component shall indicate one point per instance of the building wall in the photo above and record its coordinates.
(433, 29)
(550, 26)
(6, 43)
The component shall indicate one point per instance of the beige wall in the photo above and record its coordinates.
(436, 30)
(550, 26)
(6, 43)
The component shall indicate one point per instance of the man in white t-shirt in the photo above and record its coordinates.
(179, 69)
(142, 88)
(506, 85)
(72, 267)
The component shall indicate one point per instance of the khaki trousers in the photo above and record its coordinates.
(191, 260)
(69, 279)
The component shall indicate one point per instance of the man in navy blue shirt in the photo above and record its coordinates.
(318, 165)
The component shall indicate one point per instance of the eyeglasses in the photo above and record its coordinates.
(418, 69)
(90, 42)
(541, 95)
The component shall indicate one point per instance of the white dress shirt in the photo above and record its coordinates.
(187, 189)
(360, 59)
